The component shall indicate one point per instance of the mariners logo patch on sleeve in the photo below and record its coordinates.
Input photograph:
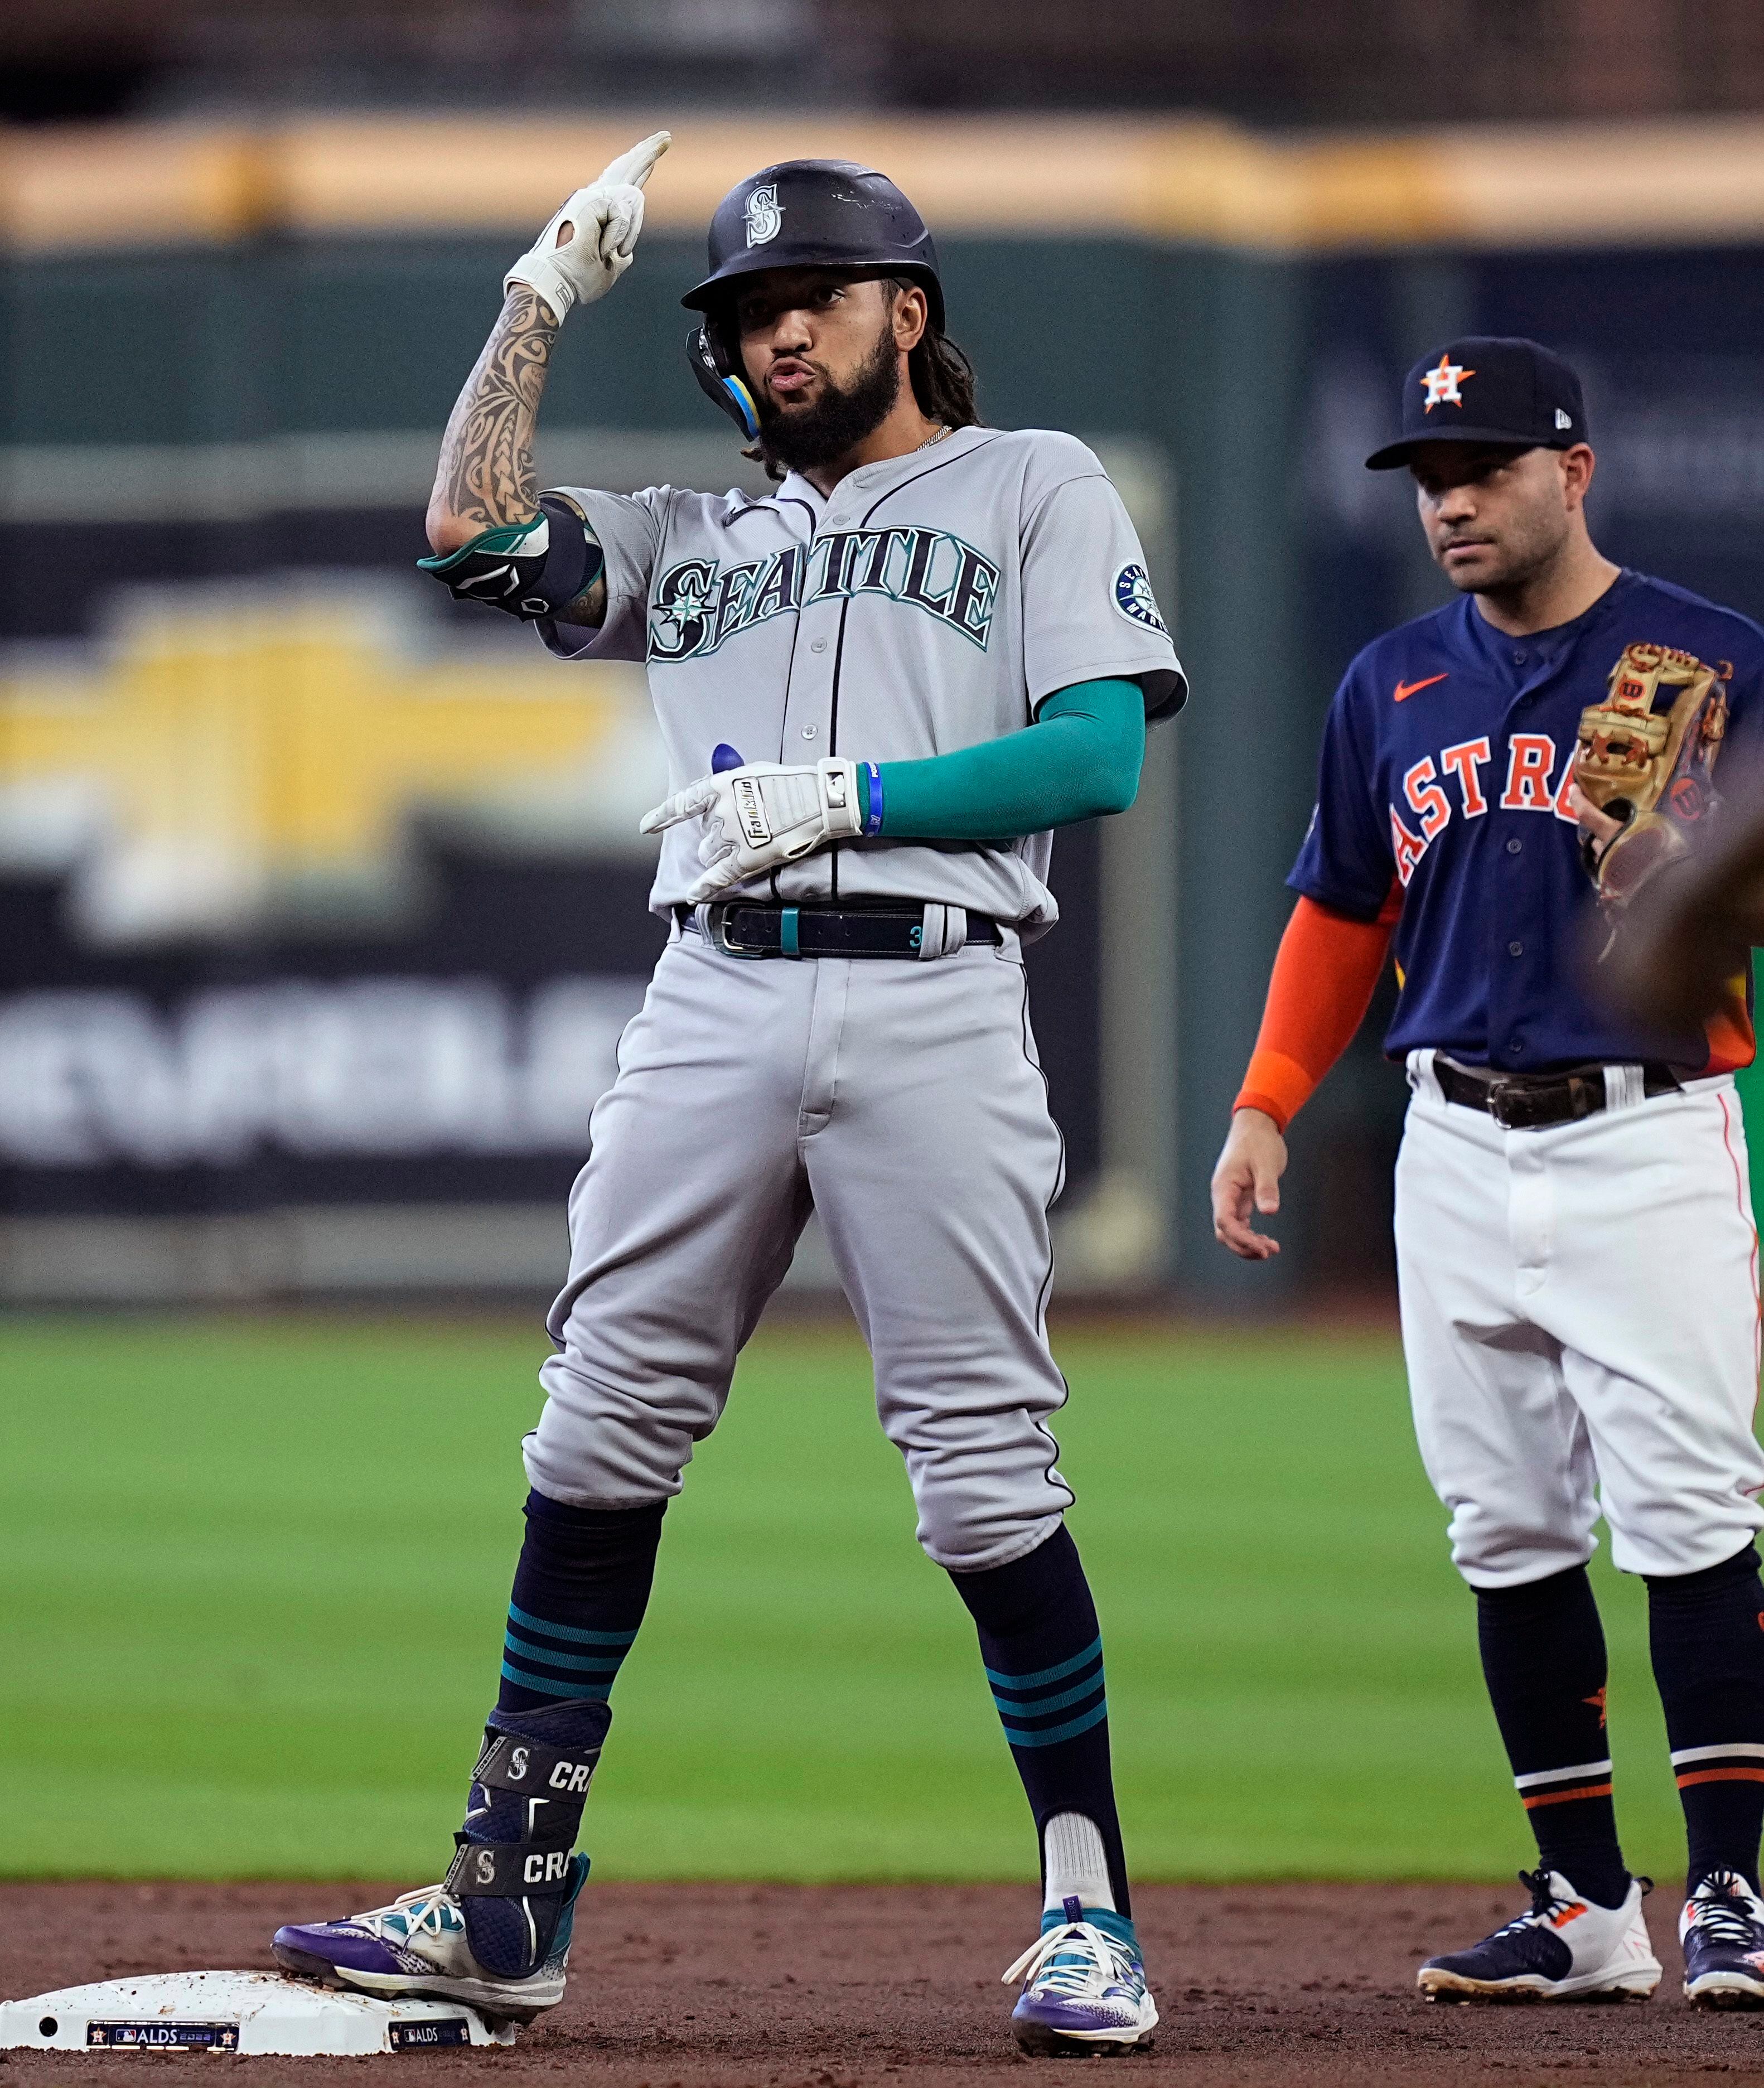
(1133, 598)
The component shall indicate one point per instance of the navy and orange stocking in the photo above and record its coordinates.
(1543, 1658)
(1707, 1633)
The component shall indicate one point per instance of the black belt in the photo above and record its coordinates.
(741, 930)
(1533, 1101)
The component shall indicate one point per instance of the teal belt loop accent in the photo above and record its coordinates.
(787, 926)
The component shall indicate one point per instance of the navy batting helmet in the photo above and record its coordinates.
(801, 214)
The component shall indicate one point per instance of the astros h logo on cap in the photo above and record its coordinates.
(1505, 392)
(1440, 383)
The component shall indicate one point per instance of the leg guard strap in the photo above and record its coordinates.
(531, 1768)
(508, 1870)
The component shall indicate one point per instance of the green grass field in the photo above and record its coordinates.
(254, 1575)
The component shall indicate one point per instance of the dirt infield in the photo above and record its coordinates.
(771, 1986)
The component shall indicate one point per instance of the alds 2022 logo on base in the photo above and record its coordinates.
(1133, 598)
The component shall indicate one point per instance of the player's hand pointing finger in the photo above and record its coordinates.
(587, 247)
(697, 798)
(691, 803)
(632, 169)
(1246, 1182)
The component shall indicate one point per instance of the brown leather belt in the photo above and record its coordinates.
(1534, 1101)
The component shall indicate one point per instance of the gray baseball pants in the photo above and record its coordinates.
(903, 1101)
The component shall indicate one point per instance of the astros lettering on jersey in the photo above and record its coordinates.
(1444, 772)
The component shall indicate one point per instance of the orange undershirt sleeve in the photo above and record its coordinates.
(1321, 984)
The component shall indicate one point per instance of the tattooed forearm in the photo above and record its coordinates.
(485, 477)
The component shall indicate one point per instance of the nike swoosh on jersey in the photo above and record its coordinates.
(1404, 690)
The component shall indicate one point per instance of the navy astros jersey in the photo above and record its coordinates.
(1443, 780)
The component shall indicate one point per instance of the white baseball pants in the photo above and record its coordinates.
(1580, 1318)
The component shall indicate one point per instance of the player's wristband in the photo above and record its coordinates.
(870, 797)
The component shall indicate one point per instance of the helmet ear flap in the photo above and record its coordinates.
(718, 379)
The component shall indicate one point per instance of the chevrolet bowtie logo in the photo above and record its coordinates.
(220, 749)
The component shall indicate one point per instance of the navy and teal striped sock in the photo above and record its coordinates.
(1043, 1653)
(580, 1590)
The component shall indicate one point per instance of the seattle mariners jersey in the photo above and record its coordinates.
(1444, 772)
(930, 603)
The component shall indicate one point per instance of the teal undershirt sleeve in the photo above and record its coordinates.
(1080, 759)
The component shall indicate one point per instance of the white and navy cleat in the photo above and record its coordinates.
(1563, 1947)
(418, 1945)
(1721, 1929)
(1085, 1987)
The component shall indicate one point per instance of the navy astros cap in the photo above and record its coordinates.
(1485, 388)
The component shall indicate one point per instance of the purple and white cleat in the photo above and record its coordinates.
(496, 1932)
(418, 1945)
(1085, 1987)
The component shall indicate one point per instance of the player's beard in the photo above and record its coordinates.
(804, 437)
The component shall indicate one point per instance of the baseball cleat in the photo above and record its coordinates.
(1721, 1929)
(1085, 1987)
(1562, 1947)
(418, 1945)
(496, 1931)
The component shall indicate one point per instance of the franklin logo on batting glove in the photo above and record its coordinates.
(760, 816)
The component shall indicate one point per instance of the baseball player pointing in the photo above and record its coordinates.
(1578, 1265)
(879, 688)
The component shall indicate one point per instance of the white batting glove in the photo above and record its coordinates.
(761, 815)
(606, 216)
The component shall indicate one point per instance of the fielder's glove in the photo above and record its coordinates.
(761, 815)
(1646, 756)
(606, 216)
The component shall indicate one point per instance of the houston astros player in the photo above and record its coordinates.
(1578, 1263)
(880, 687)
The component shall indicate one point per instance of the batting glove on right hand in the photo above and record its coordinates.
(607, 217)
(761, 816)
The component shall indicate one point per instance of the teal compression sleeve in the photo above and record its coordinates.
(1081, 758)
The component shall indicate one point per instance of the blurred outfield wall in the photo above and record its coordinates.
(320, 907)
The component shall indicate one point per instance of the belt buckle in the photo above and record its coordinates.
(1498, 1091)
(717, 926)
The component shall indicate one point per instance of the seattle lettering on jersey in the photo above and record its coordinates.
(1528, 787)
(698, 603)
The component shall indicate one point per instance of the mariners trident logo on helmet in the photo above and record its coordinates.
(765, 215)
